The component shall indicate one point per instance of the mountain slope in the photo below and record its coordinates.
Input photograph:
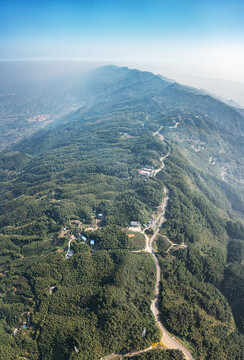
(81, 173)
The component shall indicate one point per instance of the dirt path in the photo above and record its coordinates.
(157, 132)
(69, 251)
(175, 126)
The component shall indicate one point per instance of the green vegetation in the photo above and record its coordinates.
(136, 240)
(202, 286)
(159, 355)
(195, 310)
(98, 301)
(162, 243)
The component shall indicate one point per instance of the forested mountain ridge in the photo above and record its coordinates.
(87, 164)
(125, 84)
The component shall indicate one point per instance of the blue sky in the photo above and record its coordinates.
(183, 32)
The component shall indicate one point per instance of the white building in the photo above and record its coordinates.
(135, 223)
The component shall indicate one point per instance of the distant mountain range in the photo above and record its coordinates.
(79, 175)
(29, 105)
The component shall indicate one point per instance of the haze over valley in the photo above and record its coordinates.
(138, 155)
(121, 180)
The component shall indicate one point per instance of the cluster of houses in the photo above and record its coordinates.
(147, 171)
(79, 235)
(83, 238)
(25, 322)
(149, 224)
(70, 252)
(137, 224)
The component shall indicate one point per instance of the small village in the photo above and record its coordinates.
(80, 232)
(25, 322)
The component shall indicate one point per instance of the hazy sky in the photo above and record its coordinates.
(198, 37)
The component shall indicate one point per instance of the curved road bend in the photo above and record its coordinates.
(167, 340)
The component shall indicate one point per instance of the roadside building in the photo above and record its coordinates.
(142, 172)
(148, 167)
(147, 171)
(135, 223)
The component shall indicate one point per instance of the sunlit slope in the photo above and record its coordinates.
(87, 164)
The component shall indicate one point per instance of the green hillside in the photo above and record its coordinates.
(79, 177)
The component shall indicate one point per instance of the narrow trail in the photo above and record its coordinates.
(175, 126)
(167, 341)
(69, 252)
(157, 132)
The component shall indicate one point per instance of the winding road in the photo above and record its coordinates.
(167, 341)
